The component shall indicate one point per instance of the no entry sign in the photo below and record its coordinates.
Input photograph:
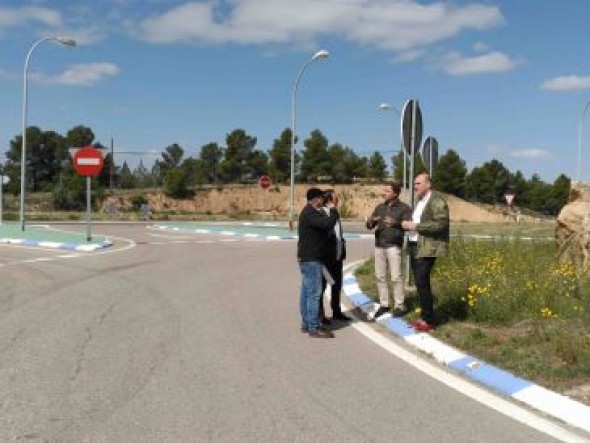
(88, 161)
(265, 182)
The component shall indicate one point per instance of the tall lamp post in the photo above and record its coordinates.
(580, 139)
(388, 107)
(64, 41)
(320, 55)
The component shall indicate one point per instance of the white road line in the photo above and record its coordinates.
(472, 391)
(464, 386)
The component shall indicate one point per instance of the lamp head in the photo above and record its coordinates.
(66, 41)
(321, 54)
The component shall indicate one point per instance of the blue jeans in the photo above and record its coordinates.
(311, 291)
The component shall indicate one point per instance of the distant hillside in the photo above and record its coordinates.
(357, 201)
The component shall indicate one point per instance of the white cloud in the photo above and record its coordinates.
(490, 62)
(566, 83)
(80, 75)
(531, 154)
(480, 47)
(396, 25)
(17, 17)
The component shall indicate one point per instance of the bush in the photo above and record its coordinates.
(137, 200)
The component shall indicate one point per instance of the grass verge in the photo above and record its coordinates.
(510, 303)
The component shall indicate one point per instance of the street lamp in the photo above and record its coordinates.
(320, 55)
(64, 41)
(388, 107)
(580, 139)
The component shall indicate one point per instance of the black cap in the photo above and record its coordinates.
(314, 193)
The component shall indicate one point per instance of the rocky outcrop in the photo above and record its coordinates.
(572, 232)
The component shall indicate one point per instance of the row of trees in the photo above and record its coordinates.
(49, 168)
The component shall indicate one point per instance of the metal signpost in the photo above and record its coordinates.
(411, 126)
(264, 182)
(430, 154)
(88, 161)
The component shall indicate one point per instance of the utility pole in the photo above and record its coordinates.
(111, 166)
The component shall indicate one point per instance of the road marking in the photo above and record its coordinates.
(468, 389)
(464, 386)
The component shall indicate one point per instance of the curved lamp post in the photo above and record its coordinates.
(320, 55)
(580, 139)
(388, 107)
(64, 41)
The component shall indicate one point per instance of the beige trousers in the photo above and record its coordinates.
(393, 256)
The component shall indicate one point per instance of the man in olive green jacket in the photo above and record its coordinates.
(428, 239)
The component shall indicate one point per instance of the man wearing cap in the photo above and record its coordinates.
(314, 227)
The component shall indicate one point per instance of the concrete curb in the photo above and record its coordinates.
(86, 247)
(559, 406)
(229, 232)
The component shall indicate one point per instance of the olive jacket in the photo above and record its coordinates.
(433, 229)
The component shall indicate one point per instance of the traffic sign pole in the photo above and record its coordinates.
(88, 209)
(88, 161)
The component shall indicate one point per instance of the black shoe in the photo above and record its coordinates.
(304, 329)
(381, 311)
(325, 321)
(340, 316)
(399, 312)
(320, 333)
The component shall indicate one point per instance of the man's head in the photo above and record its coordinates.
(331, 196)
(391, 192)
(315, 197)
(422, 184)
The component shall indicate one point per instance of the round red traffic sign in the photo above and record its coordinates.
(88, 161)
(265, 182)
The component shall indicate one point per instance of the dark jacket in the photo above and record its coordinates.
(386, 237)
(335, 244)
(314, 228)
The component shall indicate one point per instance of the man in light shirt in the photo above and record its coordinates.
(428, 239)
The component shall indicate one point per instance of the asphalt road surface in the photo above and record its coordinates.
(195, 338)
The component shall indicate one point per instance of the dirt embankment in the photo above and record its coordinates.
(357, 201)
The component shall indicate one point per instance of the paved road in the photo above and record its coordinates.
(189, 338)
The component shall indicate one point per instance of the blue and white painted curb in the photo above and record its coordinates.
(225, 232)
(505, 383)
(86, 247)
(249, 235)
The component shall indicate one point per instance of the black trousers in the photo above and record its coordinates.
(421, 268)
(335, 270)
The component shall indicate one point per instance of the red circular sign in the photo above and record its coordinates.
(265, 182)
(88, 161)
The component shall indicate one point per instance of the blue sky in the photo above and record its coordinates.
(494, 79)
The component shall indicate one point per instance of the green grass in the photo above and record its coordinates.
(511, 303)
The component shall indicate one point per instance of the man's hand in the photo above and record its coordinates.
(409, 226)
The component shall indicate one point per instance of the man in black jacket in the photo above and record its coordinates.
(314, 228)
(336, 254)
(389, 239)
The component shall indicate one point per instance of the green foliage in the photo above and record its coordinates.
(127, 178)
(70, 193)
(487, 183)
(137, 200)
(377, 169)
(512, 303)
(239, 151)
(449, 174)
(175, 184)
(280, 157)
(316, 160)
(210, 156)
